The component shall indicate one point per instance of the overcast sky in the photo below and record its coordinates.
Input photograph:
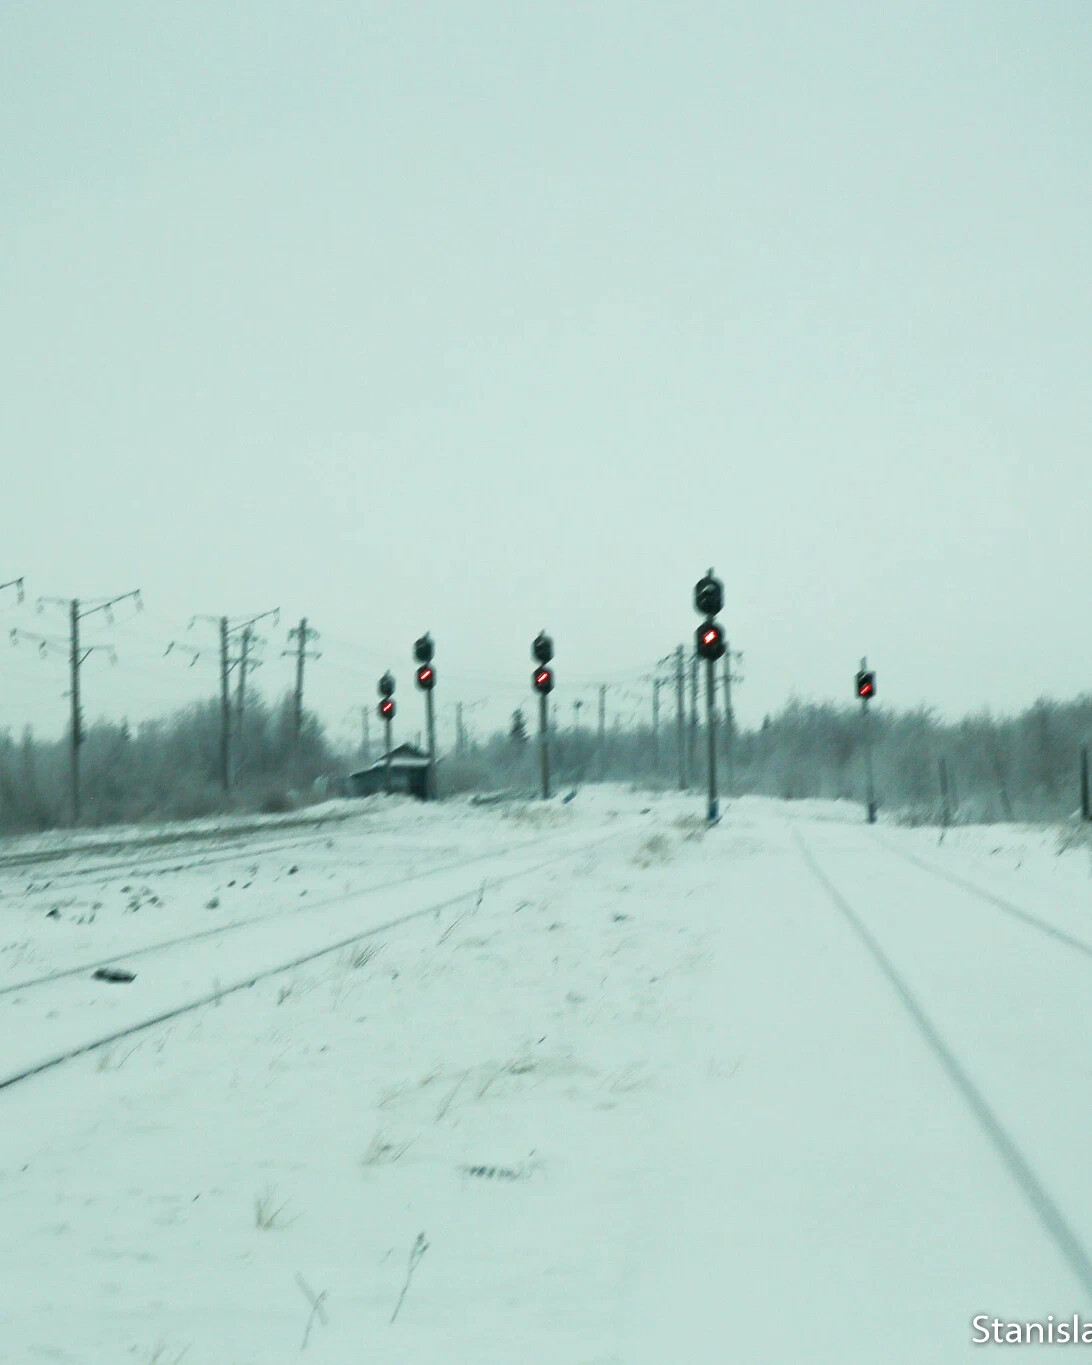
(485, 317)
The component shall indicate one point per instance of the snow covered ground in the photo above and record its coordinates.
(581, 1085)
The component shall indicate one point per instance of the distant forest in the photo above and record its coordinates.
(1023, 768)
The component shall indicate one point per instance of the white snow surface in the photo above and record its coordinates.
(639, 1091)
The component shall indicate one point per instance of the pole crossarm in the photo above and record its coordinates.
(275, 612)
(16, 583)
(44, 642)
(194, 654)
(104, 605)
(109, 602)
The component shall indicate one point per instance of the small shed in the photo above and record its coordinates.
(409, 774)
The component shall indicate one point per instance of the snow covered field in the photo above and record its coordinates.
(603, 1086)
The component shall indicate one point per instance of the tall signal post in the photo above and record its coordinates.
(386, 715)
(866, 690)
(423, 650)
(708, 601)
(542, 680)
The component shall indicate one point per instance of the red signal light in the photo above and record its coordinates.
(543, 680)
(866, 685)
(386, 708)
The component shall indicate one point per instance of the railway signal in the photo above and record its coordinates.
(708, 595)
(710, 640)
(386, 715)
(425, 677)
(542, 679)
(711, 646)
(866, 690)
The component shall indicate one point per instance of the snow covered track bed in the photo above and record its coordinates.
(67, 1020)
(636, 1093)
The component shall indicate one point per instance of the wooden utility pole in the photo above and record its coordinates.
(459, 729)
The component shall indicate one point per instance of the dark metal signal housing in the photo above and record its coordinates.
(708, 595)
(543, 648)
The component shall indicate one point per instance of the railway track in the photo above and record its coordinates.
(1046, 1209)
(249, 978)
(1001, 903)
(218, 837)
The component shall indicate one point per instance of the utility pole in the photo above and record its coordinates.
(301, 634)
(459, 729)
(226, 630)
(240, 698)
(366, 748)
(225, 710)
(76, 656)
(245, 663)
(602, 743)
(680, 701)
(74, 662)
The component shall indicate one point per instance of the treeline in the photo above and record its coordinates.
(1024, 767)
(167, 769)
